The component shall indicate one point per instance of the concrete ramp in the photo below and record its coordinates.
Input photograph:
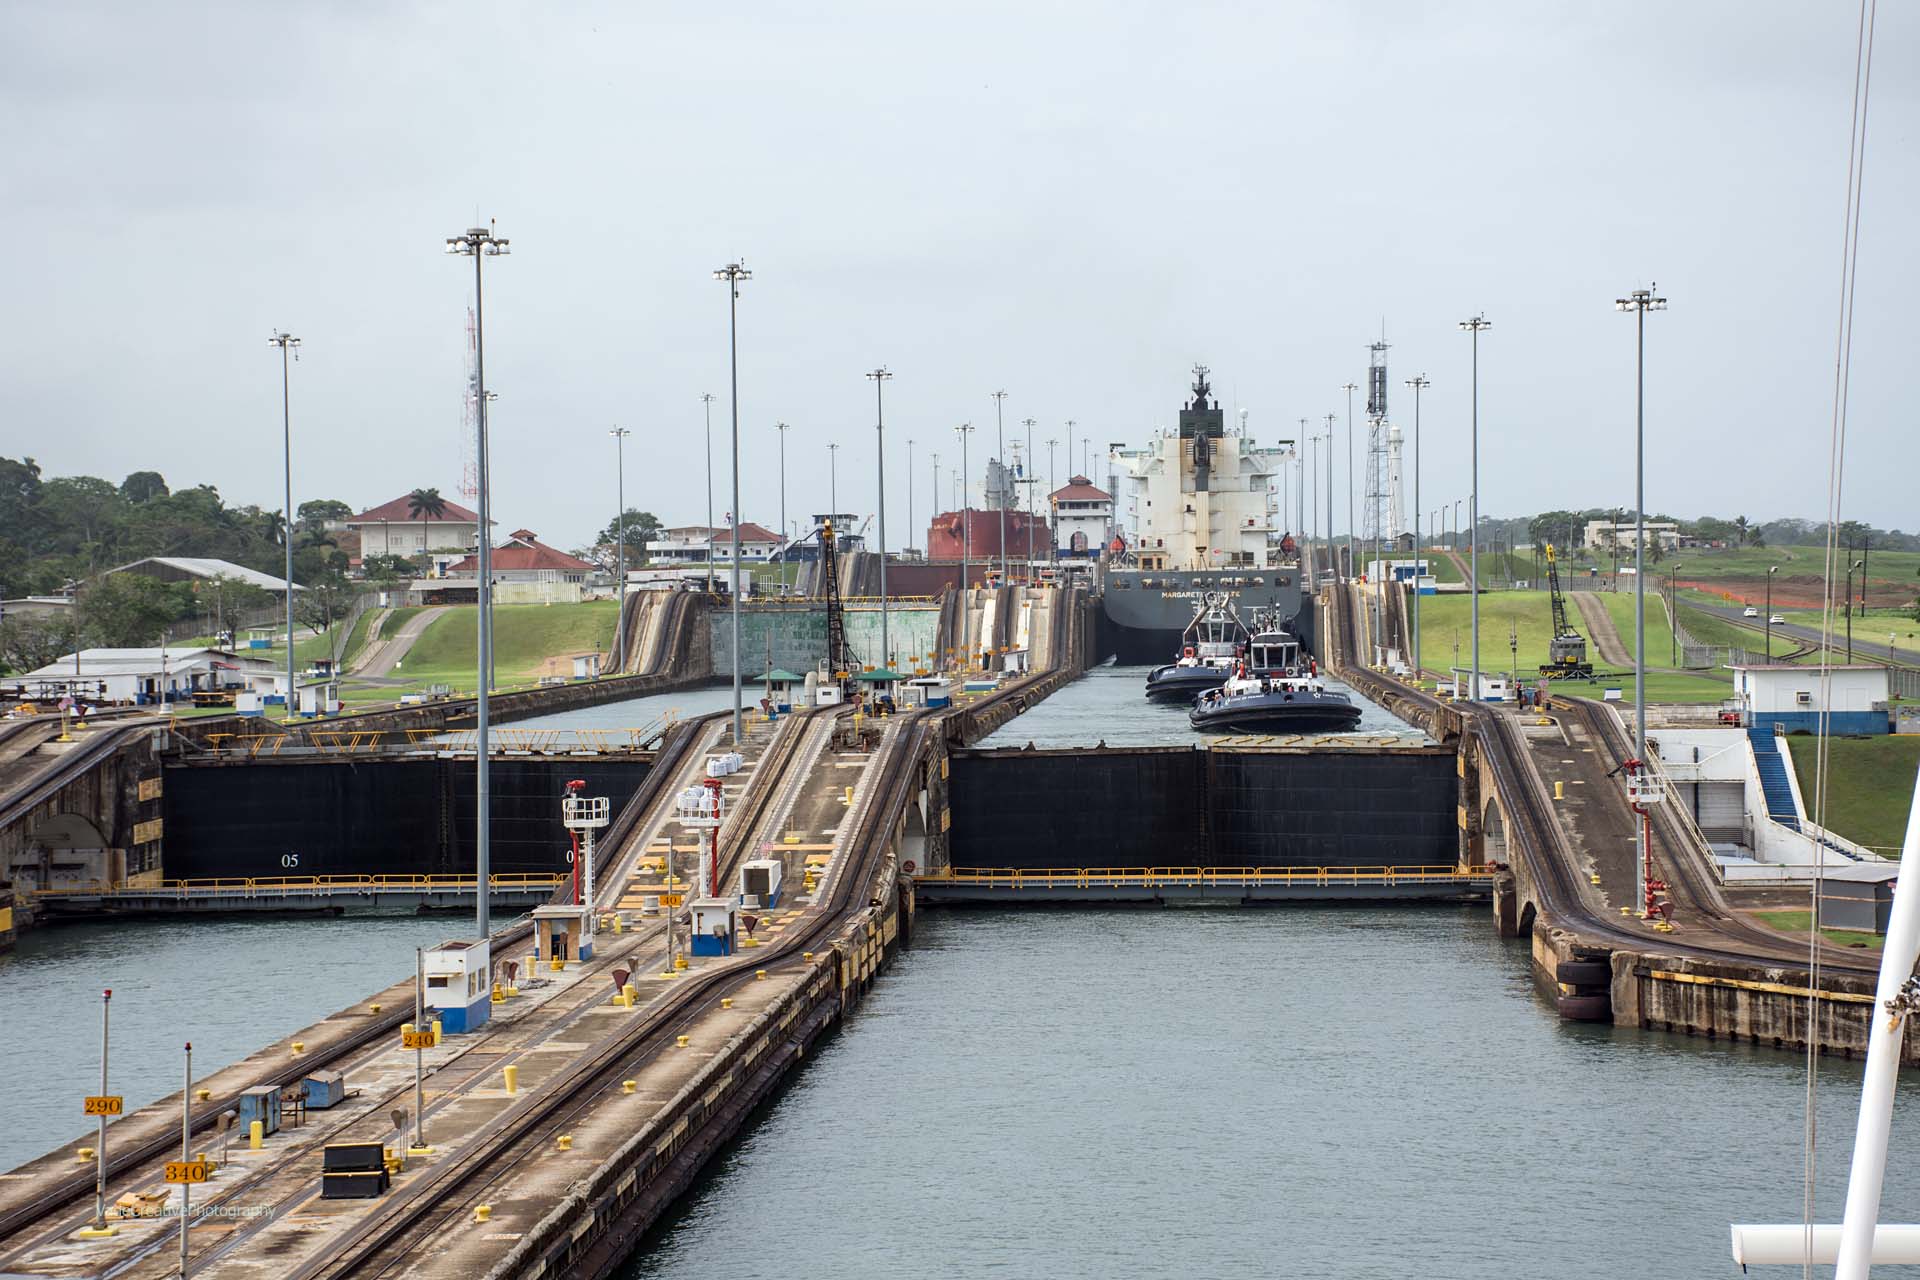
(1600, 629)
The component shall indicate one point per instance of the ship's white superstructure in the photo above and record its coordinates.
(1199, 498)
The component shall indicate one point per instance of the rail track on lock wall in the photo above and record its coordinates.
(388, 1242)
(1542, 841)
(134, 1154)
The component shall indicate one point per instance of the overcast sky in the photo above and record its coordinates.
(1073, 202)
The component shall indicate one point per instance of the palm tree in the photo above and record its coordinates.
(425, 504)
(1740, 531)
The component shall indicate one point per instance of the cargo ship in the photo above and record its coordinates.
(1203, 525)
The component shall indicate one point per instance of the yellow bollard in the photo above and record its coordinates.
(374, 1009)
(511, 1074)
(299, 1046)
(202, 1095)
(256, 1135)
(499, 993)
(633, 993)
(532, 964)
(482, 1212)
(759, 975)
(618, 923)
(628, 1086)
(806, 955)
(849, 795)
(681, 1041)
(556, 964)
(679, 962)
(436, 1033)
(1559, 790)
(87, 1153)
(406, 1028)
(726, 1002)
(566, 1142)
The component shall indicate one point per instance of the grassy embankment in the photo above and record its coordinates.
(1800, 921)
(525, 636)
(1526, 617)
(1869, 785)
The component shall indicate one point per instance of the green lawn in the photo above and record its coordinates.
(357, 638)
(524, 636)
(1801, 921)
(1869, 785)
(1445, 619)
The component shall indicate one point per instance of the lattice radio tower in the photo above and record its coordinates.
(1374, 522)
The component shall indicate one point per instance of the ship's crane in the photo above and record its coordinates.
(1568, 648)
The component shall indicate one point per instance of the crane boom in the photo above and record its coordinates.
(1568, 648)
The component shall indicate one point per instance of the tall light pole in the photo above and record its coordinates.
(1306, 441)
(785, 544)
(1673, 632)
(706, 400)
(733, 273)
(1337, 575)
(1053, 534)
(1858, 566)
(1029, 424)
(907, 545)
(1419, 383)
(286, 342)
(1640, 301)
(480, 243)
(880, 377)
(1474, 327)
(620, 435)
(1000, 449)
(1350, 388)
(1773, 569)
(964, 430)
(833, 481)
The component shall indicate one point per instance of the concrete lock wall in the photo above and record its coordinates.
(1174, 806)
(797, 638)
(407, 817)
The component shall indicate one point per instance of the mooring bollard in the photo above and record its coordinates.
(511, 1075)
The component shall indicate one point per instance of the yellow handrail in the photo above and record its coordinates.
(1087, 877)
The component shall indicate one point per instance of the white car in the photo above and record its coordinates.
(1777, 620)
(1749, 612)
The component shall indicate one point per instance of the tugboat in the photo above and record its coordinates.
(1272, 692)
(1210, 648)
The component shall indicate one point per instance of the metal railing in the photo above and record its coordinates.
(1181, 877)
(305, 886)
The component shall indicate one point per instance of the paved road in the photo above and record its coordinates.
(1600, 629)
(1790, 635)
(386, 655)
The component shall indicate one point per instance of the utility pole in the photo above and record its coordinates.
(1053, 534)
(284, 341)
(1475, 326)
(786, 544)
(880, 376)
(1338, 576)
(1350, 388)
(620, 435)
(908, 545)
(1419, 383)
(707, 398)
(1000, 447)
(733, 273)
(480, 243)
(1640, 301)
(964, 430)
(833, 481)
(1028, 423)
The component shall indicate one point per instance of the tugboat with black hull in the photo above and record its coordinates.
(1273, 691)
(1210, 649)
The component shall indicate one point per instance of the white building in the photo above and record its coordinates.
(1082, 517)
(143, 675)
(688, 544)
(1603, 535)
(1793, 698)
(396, 529)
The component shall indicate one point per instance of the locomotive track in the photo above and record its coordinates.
(130, 1154)
(1714, 931)
(388, 1242)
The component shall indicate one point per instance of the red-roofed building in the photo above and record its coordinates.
(524, 558)
(396, 529)
(1082, 515)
